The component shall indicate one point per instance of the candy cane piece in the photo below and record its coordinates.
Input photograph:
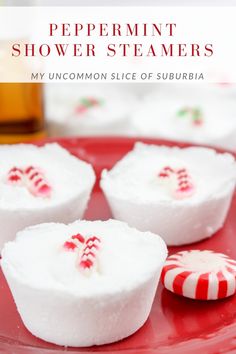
(93, 102)
(166, 172)
(185, 187)
(80, 109)
(15, 176)
(85, 104)
(201, 275)
(88, 259)
(37, 183)
(74, 242)
(194, 114)
(178, 182)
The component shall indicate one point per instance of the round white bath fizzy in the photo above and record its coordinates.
(41, 184)
(86, 283)
(182, 194)
(200, 275)
(88, 110)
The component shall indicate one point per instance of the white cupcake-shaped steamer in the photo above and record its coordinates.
(83, 284)
(88, 110)
(185, 114)
(41, 184)
(182, 194)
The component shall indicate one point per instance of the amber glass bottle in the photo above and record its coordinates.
(21, 112)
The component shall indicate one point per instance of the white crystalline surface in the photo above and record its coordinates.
(135, 177)
(127, 258)
(67, 175)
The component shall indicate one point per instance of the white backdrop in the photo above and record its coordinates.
(120, 2)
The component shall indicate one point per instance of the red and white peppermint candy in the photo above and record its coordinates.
(15, 176)
(201, 275)
(177, 181)
(88, 259)
(36, 182)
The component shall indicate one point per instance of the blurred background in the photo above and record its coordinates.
(118, 2)
(198, 113)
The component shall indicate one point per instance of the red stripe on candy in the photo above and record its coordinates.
(86, 264)
(33, 175)
(14, 178)
(89, 254)
(179, 282)
(44, 189)
(231, 270)
(202, 287)
(166, 269)
(70, 245)
(163, 174)
(93, 238)
(78, 237)
(231, 262)
(38, 181)
(223, 285)
(172, 258)
(28, 169)
(89, 247)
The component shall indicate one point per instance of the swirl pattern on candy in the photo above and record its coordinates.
(200, 275)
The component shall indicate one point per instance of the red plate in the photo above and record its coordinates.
(176, 325)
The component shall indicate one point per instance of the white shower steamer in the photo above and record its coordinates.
(62, 301)
(188, 113)
(182, 194)
(41, 184)
(86, 109)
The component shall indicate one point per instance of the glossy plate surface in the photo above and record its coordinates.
(176, 325)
